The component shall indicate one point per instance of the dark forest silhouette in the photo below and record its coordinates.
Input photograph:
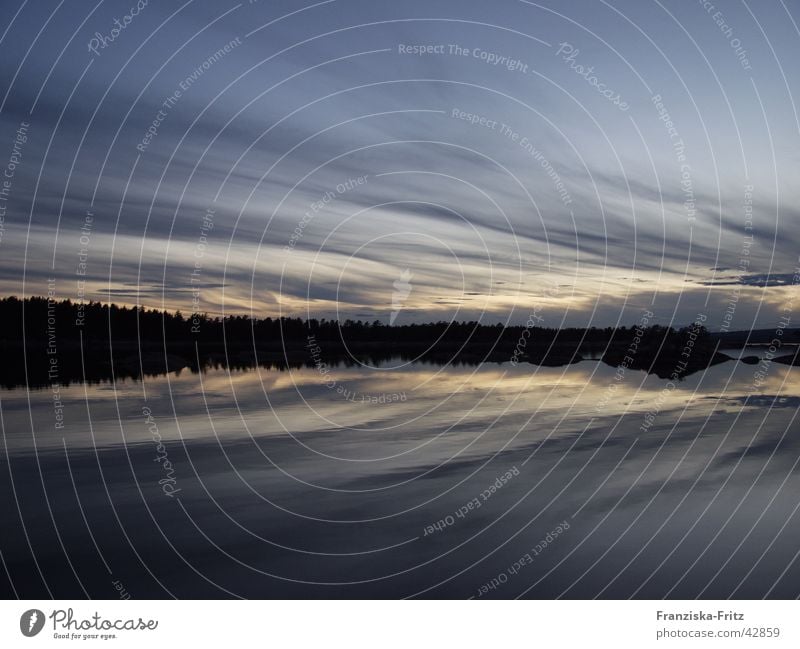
(96, 341)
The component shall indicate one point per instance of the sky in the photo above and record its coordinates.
(579, 164)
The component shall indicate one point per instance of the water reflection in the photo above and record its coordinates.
(297, 483)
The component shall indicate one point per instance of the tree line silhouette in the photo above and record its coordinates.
(46, 342)
(35, 319)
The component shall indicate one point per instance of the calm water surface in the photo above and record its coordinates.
(404, 480)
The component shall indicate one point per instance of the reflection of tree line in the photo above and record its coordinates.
(150, 342)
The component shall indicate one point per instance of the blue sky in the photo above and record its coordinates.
(493, 167)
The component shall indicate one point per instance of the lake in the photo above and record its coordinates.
(405, 480)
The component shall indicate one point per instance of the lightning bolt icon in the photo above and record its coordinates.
(32, 621)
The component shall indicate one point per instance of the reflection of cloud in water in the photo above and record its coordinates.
(349, 477)
(763, 401)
